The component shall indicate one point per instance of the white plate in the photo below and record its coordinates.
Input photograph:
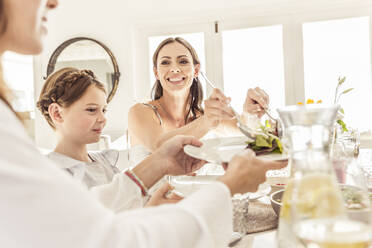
(190, 184)
(221, 150)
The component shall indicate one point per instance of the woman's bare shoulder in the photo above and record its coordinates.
(143, 110)
(140, 108)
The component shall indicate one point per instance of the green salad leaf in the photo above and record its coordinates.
(271, 143)
(261, 141)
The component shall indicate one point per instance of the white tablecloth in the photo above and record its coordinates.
(258, 240)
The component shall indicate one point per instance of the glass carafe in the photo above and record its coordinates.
(312, 206)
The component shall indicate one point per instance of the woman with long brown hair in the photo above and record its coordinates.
(43, 207)
(177, 96)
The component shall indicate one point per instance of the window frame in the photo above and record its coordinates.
(291, 17)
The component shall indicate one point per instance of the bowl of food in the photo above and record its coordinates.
(356, 202)
(276, 201)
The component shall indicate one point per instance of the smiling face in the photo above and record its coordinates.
(175, 68)
(84, 120)
(25, 26)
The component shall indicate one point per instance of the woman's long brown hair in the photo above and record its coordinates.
(196, 91)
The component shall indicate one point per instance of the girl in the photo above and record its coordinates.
(73, 103)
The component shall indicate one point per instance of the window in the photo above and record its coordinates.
(195, 39)
(291, 54)
(253, 57)
(338, 48)
(18, 74)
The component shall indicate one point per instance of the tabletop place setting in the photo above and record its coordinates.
(321, 199)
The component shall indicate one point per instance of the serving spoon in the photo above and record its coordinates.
(247, 131)
(278, 123)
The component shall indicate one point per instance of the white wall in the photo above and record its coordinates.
(116, 23)
(101, 20)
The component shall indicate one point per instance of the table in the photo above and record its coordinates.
(265, 239)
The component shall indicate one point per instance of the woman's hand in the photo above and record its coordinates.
(245, 172)
(256, 102)
(162, 196)
(217, 109)
(168, 159)
(174, 160)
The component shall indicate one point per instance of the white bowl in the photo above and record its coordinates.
(275, 200)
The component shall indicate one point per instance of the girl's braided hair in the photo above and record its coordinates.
(65, 87)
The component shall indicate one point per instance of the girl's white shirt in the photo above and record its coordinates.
(41, 206)
(103, 178)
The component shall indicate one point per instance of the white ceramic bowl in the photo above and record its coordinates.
(275, 200)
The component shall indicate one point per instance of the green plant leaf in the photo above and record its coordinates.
(346, 91)
(343, 125)
(341, 80)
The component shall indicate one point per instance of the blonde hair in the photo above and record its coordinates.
(65, 87)
(5, 93)
(4, 90)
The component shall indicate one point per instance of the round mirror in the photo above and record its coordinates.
(87, 53)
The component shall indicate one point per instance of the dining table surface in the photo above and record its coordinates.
(265, 239)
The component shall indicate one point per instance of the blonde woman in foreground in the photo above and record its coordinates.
(43, 207)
